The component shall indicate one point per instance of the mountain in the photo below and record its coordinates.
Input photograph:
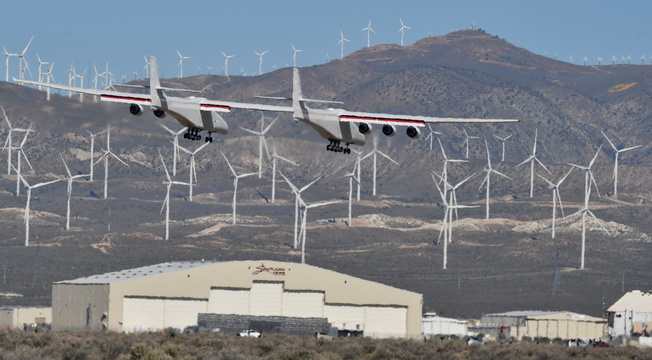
(506, 263)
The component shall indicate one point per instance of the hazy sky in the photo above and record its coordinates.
(121, 33)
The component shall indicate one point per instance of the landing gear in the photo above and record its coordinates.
(192, 134)
(335, 146)
(209, 138)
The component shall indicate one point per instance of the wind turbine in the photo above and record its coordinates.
(226, 63)
(450, 190)
(502, 141)
(431, 135)
(19, 152)
(92, 151)
(181, 58)
(375, 153)
(166, 203)
(556, 197)
(69, 178)
(8, 142)
(532, 158)
(260, 61)
(193, 169)
(487, 179)
(235, 178)
(618, 151)
(40, 71)
(369, 30)
(146, 67)
(358, 159)
(466, 142)
(341, 44)
(49, 77)
(305, 208)
(584, 210)
(294, 55)
(262, 144)
(175, 144)
(444, 173)
(108, 153)
(447, 224)
(352, 177)
(402, 30)
(29, 198)
(297, 199)
(274, 158)
(22, 63)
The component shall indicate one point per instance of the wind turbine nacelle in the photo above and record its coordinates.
(136, 109)
(389, 130)
(159, 113)
(364, 128)
(413, 132)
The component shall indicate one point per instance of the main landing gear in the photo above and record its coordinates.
(335, 146)
(193, 134)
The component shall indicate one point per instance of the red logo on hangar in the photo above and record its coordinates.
(271, 270)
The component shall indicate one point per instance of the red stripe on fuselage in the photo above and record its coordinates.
(224, 107)
(361, 118)
(127, 98)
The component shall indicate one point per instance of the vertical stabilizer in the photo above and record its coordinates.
(297, 95)
(154, 83)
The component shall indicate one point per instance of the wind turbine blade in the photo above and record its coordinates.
(463, 181)
(65, 165)
(443, 198)
(501, 174)
(167, 174)
(322, 204)
(228, 163)
(389, 158)
(525, 161)
(26, 159)
(552, 186)
(561, 206)
(310, 184)
(610, 143)
(599, 222)
(543, 166)
(117, 158)
(595, 157)
(630, 148)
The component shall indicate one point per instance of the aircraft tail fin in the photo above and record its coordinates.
(297, 95)
(154, 82)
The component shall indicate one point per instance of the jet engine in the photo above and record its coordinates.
(159, 113)
(364, 128)
(389, 130)
(413, 132)
(136, 109)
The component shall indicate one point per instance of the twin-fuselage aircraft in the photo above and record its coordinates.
(200, 114)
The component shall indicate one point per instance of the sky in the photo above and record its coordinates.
(122, 33)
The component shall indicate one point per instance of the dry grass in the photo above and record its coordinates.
(97, 345)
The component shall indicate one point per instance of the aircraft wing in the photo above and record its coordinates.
(410, 120)
(105, 95)
(226, 106)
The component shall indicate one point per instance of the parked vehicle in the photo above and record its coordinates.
(250, 333)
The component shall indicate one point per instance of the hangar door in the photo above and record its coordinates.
(345, 317)
(303, 304)
(385, 321)
(266, 298)
(228, 301)
(146, 314)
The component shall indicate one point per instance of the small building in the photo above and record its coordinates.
(545, 324)
(631, 314)
(18, 317)
(262, 295)
(431, 325)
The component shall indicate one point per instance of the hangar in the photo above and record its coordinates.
(174, 294)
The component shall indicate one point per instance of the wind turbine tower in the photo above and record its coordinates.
(275, 157)
(369, 30)
(193, 169)
(294, 55)
(502, 141)
(29, 198)
(166, 203)
(69, 178)
(618, 151)
(262, 143)
(341, 44)
(556, 197)
(487, 179)
(235, 178)
(402, 29)
(532, 159)
(260, 61)
(226, 63)
(108, 153)
(181, 58)
(375, 153)
(466, 142)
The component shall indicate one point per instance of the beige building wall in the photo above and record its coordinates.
(566, 326)
(205, 281)
(16, 317)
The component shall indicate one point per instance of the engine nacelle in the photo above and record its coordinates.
(364, 128)
(135, 109)
(389, 130)
(159, 113)
(413, 132)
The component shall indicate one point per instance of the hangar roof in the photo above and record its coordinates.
(130, 274)
(636, 300)
(524, 313)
